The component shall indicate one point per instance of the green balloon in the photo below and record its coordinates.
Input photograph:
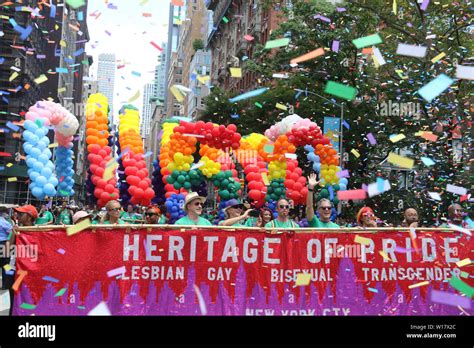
(177, 185)
(225, 183)
(224, 194)
(324, 193)
(175, 174)
(170, 179)
(187, 185)
(336, 200)
(181, 179)
(336, 187)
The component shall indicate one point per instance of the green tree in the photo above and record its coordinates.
(442, 28)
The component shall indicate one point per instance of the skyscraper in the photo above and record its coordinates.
(106, 79)
(160, 75)
(145, 121)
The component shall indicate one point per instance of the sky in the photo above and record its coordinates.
(130, 37)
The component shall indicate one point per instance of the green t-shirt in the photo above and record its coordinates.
(130, 217)
(65, 218)
(162, 220)
(318, 223)
(44, 218)
(251, 222)
(278, 224)
(185, 220)
(119, 222)
(237, 224)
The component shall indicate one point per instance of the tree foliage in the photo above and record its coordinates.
(442, 28)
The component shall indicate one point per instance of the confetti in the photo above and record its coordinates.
(250, 94)
(371, 139)
(427, 161)
(403, 162)
(438, 57)
(340, 90)
(100, 310)
(459, 229)
(60, 292)
(249, 37)
(21, 275)
(291, 155)
(397, 138)
(362, 240)
(351, 195)
(411, 50)
(4, 301)
(435, 87)
(269, 148)
(27, 306)
(13, 179)
(435, 196)
(367, 41)
(265, 179)
(335, 46)
(281, 106)
(417, 285)
(378, 56)
(277, 43)
(462, 287)
(456, 189)
(308, 56)
(465, 72)
(50, 279)
(303, 279)
(373, 290)
(61, 251)
(450, 299)
(78, 227)
(41, 79)
(355, 153)
(236, 72)
(116, 272)
(202, 304)
(376, 188)
(156, 46)
(464, 262)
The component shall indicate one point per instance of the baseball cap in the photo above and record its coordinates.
(28, 209)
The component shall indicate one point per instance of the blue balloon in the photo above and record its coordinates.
(49, 189)
(342, 187)
(311, 156)
(53, 181)
(317, 167)
(41, 181)
(34, 175)
(30, 161)
(39, 133)
(30, 125)
(43, 159)
(38, 166)
(37, 192)
(27, 147)
(46, 172)
(343, 181)
(316, 159)
(35, 152)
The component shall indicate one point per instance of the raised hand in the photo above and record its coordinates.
(312, 182)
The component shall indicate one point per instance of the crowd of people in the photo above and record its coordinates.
(236, 214)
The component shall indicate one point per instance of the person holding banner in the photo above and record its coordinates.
(324, 207)
(193, 205)
(45, 216)
(410, 218)
(283, 220)
(112, 216)
(456, 216)
(153, 216)
(233, 214)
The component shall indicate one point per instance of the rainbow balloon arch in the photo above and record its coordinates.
(193, 153)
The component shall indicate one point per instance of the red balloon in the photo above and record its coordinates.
(109, 188)
(143, 185)
(132, 190)
(130, 171)
(141, 174)
(93, 148)
(133, 180)
(138, 193)
(107, 149)
(289, 183)
(134, 200)
(98, 192)
(99, 172)
(105, 196)
(101, 184)
(255, 195)
(149, 193)
(297, 187)
(102, 153)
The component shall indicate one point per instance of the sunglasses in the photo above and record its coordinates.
(325, 208)
(114, 209)
(238, 207)
(284, 207)
(368, 215)
(197, 204)
(151, 214)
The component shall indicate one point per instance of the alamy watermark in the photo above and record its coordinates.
(399, 109)
(29, 251)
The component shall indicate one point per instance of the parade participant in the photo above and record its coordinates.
(233, 214)
(28, 215)
(456, 216)
(283, 220)
(410, 218)
(366, 217)
(112, 215)
(153, 216)
(45, 218)
(324, 207)
(193, 205)
(130, 216)
(266, 215)
(80, 216)
(65, 215)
